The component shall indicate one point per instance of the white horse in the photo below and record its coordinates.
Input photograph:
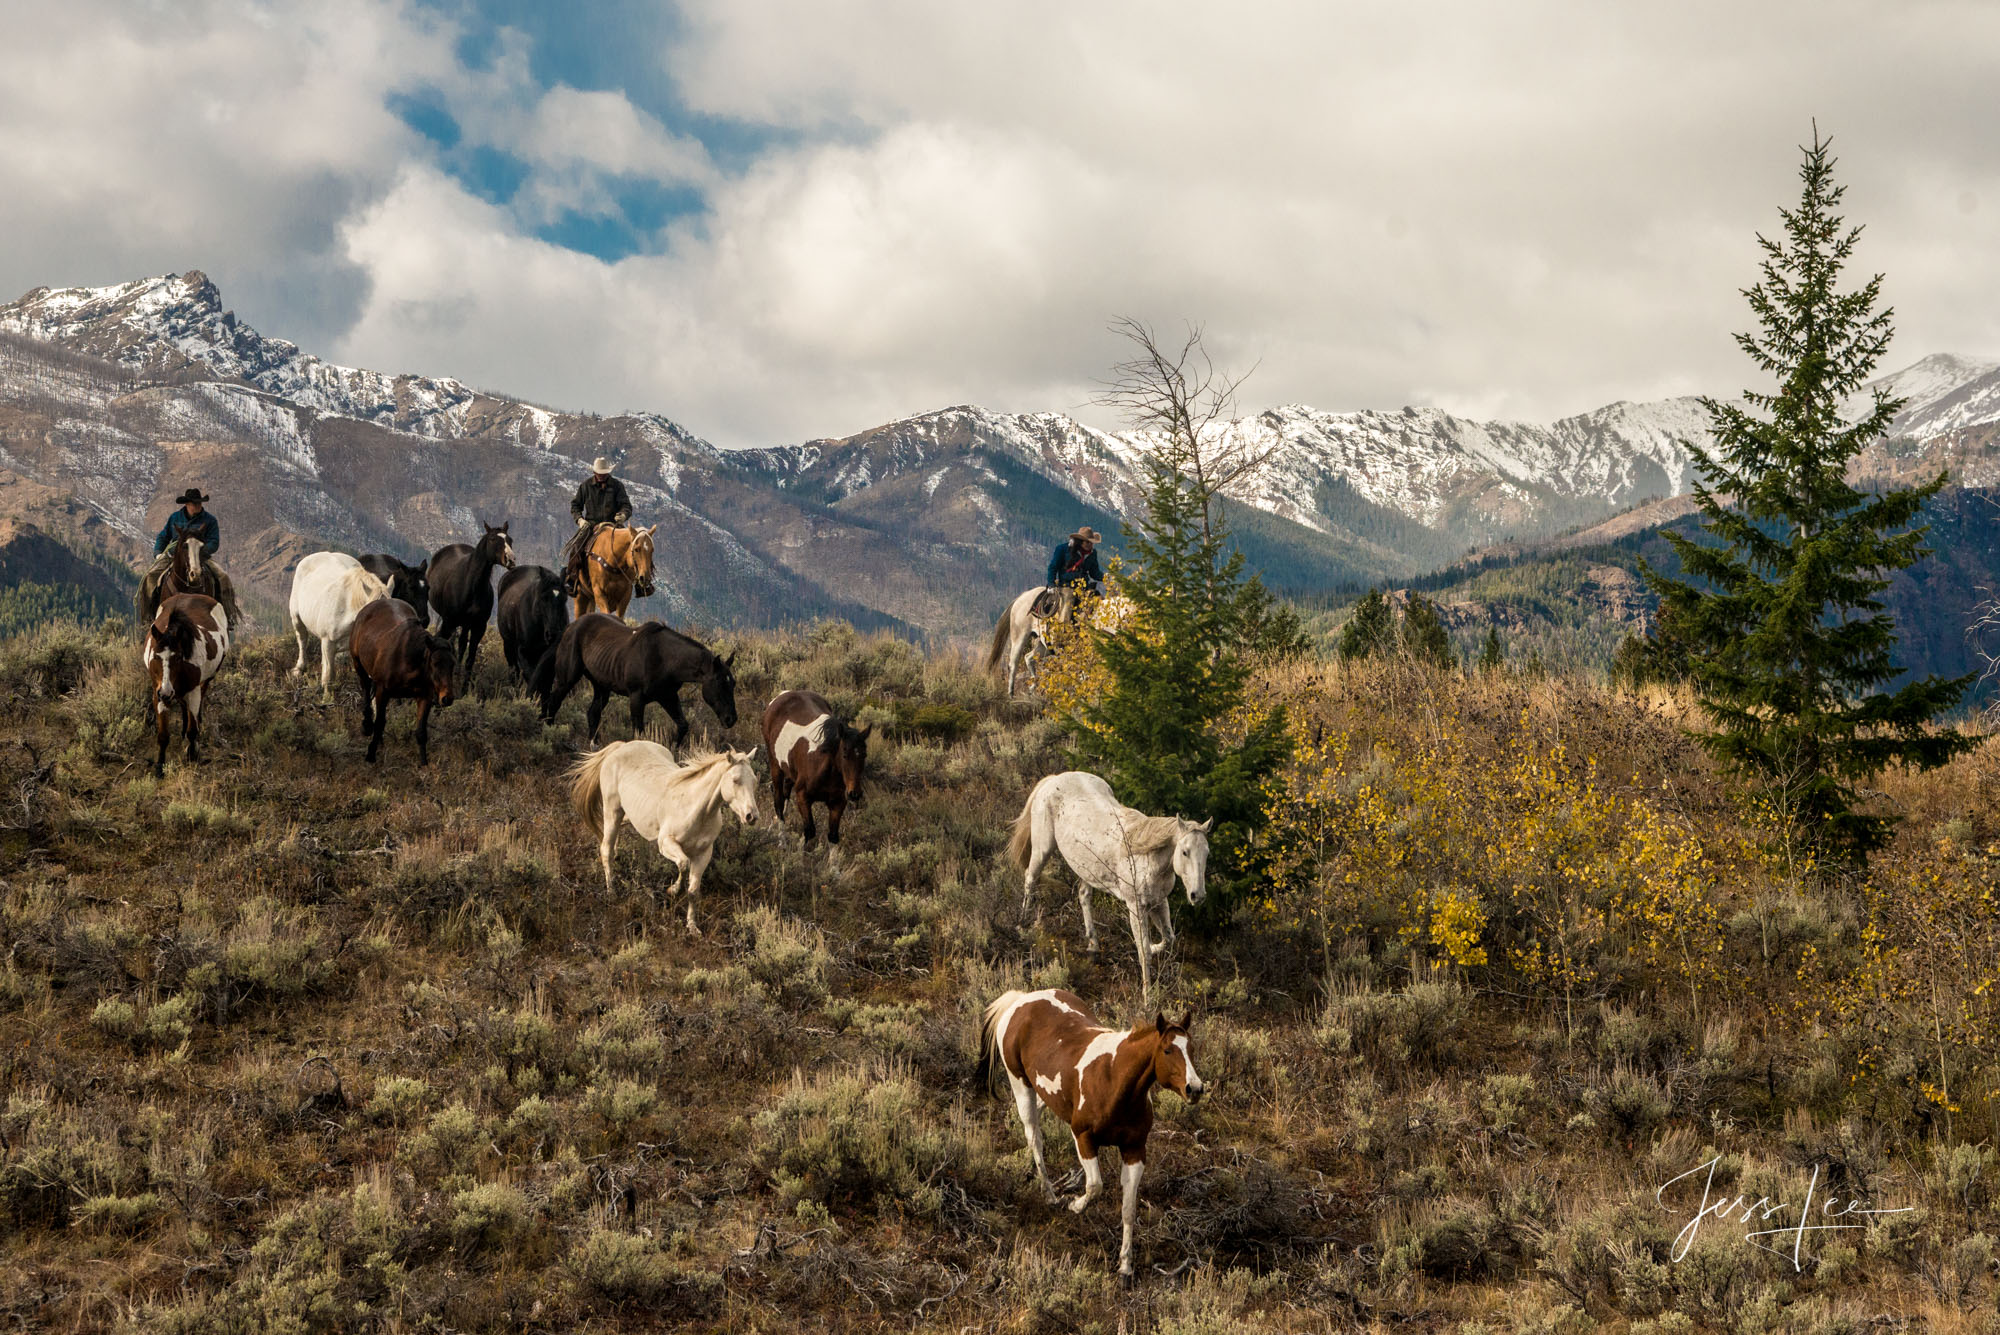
(1018, 638)
(1112, 848)
(329, 589)
(678, 807)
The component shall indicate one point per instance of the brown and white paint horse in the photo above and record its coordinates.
(617, 564)
(815, 757)
(184, 646)
(1098, 1080)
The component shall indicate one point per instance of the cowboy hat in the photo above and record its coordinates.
(192, 496)
(1086, 534)
(601, 466)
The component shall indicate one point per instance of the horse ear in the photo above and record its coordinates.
(423, 566)
(1205, 826)
(1160, 1021)
(863, 731)
(1187, 1018)
(651, 531)
(730, 662)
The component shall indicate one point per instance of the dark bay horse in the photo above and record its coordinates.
(532, 615)
(397, 658)
(647, 664)
(185, 643)
(1098, 1080)
(461, 580)
(411, 583)
(815, 756)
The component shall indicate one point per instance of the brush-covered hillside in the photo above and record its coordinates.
(290, 1043)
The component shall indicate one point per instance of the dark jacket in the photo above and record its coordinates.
(204, 526)
(606, 504)
(1066, 566)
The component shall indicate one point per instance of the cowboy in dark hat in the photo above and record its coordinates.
(198, 523)
(1074, 561)
(600, 499)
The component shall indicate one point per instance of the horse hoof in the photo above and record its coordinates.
(1076, 1206)
(1127, 1280)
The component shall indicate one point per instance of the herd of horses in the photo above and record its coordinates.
(380, 610)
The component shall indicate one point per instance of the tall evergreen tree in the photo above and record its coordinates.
(1424, 635)
(1788, 641)
(1491, 657)
(1372, 628)
(1172, 734)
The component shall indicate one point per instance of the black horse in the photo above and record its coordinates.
(532, 615)
(647, 664)
(461, 582)
(410, 583)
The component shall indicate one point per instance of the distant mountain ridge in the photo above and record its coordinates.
(115, 394)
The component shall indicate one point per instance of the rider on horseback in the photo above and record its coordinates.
(1073, 562)
(201, 527)
(600, 499)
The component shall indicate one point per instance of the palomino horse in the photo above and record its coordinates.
(647, 664)
(411, 583)
(532, 615)
(617, 564)
(815, 757)
(1098, 1080)
(184, 645)
(677, 807)
(1112, 848)
(461, 580)
(397, 658)
(329, 589)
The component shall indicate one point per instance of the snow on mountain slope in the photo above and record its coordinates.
(178, 320)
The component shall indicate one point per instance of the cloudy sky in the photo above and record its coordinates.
(780, 219)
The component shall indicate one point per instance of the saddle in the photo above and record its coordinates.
(1047, 605)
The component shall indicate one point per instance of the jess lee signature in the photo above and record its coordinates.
(1763, 1210)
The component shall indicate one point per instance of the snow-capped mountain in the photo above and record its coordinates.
(115, 394)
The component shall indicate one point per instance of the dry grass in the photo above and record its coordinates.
(292, 1043)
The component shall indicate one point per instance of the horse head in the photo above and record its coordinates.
(1191, 857)
(186, 562)
(718, 688)
(639, 560)
(496, 548)
(852, 758)
(1172, 1066)
(441, 664)
(418, 580)
(739, 786)
(176, 639)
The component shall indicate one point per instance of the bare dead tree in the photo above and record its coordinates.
(1179, 394)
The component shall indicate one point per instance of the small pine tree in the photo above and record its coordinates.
(1424, 635)
(1371, 630)
(1788, 640)
(1491, 657)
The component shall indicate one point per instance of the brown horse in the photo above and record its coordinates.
(617, 564)
(184, 645)
(814, 757)
(1098, 1080)
(397, 658)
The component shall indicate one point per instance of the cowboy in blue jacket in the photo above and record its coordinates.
(1075, 558)
(192, 519)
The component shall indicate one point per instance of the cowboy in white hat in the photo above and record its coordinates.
(600, 499)
(1075, 561)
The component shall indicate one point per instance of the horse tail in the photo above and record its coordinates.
(989, 1038)
(586, 791)
(1022, 841)
(1002, 632)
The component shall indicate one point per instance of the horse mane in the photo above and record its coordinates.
(1149, 834)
